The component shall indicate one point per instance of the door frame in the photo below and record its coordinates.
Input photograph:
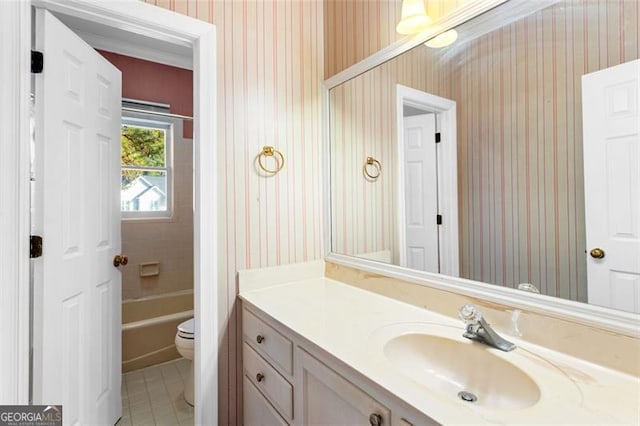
(446, 156)
(163, 26)
(15, 19)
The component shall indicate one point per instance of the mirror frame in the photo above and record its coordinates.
(590, 315)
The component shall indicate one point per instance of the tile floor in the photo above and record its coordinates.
(153, 396)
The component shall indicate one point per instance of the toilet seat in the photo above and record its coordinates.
(185, 329)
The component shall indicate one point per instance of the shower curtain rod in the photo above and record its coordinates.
(163, 114)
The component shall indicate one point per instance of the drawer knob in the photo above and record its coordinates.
(375, 419)
(259, 377)
(259, 338)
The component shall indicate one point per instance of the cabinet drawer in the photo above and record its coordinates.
(257, 411)
(269, 381)
(268, 341)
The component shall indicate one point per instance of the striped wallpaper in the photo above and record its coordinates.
(356, 29)
(362, 210)
(270, 70)
(521, 193)
(353, 31)
(272, 58)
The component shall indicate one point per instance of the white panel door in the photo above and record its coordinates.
(421, 193)
(77, 343)
(611, 123)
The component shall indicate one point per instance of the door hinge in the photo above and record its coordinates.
(37, 62)
(437, 137)
(35, 246)
(438, 219)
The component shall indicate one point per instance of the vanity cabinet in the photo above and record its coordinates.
(267, 359)
(288, 381)
(326, 398)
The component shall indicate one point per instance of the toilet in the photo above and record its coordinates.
(184, 344)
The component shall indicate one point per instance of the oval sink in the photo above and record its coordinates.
(463, 369)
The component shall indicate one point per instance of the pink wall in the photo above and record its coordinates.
(150, 81)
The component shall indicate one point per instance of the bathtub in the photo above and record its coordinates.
(149, 328)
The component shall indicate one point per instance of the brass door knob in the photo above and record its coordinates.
(597, 253)
(120, 259)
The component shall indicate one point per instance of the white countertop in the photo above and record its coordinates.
(344, 321)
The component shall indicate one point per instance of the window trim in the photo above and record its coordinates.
(152, 122)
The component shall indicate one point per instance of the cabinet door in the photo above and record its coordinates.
(257, 411)
(329, 399)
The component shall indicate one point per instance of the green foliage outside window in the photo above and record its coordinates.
(143, 147)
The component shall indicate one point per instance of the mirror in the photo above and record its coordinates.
(515, 213)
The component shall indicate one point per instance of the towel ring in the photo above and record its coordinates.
(269, 151)
(377, 168)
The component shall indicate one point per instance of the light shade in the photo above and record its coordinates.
(442, 40)
(414, 17)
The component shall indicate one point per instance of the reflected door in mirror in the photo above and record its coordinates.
(421, 194)
(612, 185)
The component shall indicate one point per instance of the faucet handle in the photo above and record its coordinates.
(470, 314)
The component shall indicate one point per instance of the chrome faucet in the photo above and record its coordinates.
(479, 330)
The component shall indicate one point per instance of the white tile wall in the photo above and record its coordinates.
(168, 242)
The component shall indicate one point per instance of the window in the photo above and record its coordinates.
(145, 168)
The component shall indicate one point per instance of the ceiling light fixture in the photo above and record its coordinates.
(414, 17)
(442, 40)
